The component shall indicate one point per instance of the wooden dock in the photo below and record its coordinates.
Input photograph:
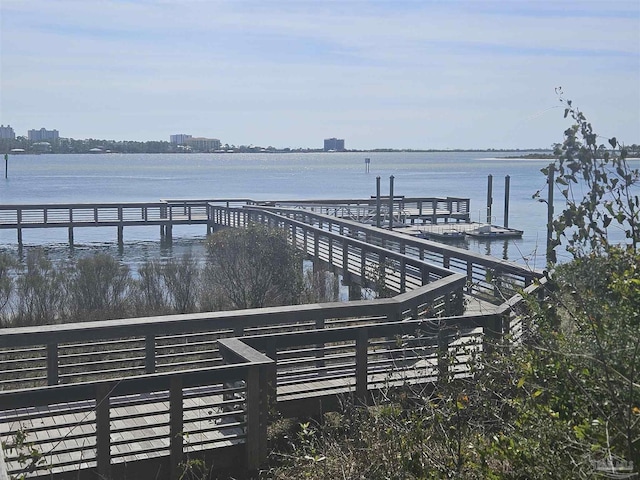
(106, 397)
(460, 231)
(431, 217)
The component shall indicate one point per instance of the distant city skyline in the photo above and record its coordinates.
(383, 74)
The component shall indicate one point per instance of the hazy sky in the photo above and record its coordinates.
(397, 73)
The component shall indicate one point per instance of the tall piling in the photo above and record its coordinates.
(378, 202)
(507, 182)
(550, 251)
(391, 202)
(489, 197)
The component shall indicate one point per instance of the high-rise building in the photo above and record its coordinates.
(334, 144)
(179, 138)
(202, 144)
(7, 132)
(42, 135)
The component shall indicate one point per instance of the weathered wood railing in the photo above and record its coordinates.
(351, 254)
(113, 422)
(425, 208)
(318, 363)
(94, 424)
(487, 277)
(76, 355)
(53, 354)
(220, 372)
(165, 214)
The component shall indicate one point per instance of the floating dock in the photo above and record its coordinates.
(459, 231)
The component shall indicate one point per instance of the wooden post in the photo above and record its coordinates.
(52, 364)
(489, 197)
(551, 255)
(469, 276)
(176, 440)
(507, 182)
(253, 418)
(391, 202)
(355, 292)
(316, 245)
(103, 430)
(424, 274)
(443, 352)
(362, 347)
(150, 354)
(345, 260)
(491, 333)
(378, 202)
(320, 363)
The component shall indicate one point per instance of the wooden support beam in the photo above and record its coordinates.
(176, 440)
(253, 419)
(52, 363)
(103, 430)
(150, 354)
(362, 365)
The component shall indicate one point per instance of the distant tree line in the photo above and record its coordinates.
(70, 145)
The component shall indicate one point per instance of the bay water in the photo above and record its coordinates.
(38, 179)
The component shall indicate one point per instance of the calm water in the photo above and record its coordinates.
(115, 178)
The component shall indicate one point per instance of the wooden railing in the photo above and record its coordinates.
(79, 352)
(108, 422)
(432, 208)
(167, 386)
(113, 422)
(487, 277)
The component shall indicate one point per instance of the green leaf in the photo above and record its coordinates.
(520, 383)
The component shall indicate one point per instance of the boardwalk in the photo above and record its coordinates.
(167, 214)
(105, 396)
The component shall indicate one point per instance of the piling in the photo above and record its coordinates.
(507, 182)
(489, 197)
(391, 202)
(378, 202)
(355, 292)
(550, 179)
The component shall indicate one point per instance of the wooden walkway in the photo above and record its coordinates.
(167, 214)
(165, 387)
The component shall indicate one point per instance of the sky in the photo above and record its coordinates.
(421, 74)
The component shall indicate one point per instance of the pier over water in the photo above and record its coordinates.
(135, 397)
(425, 215)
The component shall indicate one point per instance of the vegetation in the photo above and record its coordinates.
(244, 268)
(254, 267)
